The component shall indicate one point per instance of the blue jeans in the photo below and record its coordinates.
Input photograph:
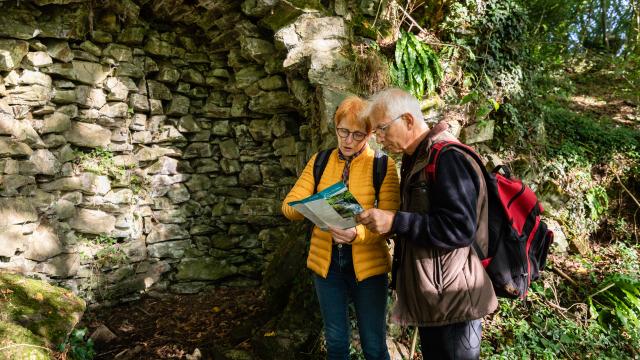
(370, 299)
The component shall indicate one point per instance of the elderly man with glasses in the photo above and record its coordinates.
(440, 283)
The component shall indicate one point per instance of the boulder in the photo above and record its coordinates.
(36, 315)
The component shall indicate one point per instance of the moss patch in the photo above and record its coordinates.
(33, 312)
(18, 342)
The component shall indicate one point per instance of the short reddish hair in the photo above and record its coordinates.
(352, 109)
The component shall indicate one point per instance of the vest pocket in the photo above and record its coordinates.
(418, 197)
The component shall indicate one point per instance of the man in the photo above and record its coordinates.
(440, 283)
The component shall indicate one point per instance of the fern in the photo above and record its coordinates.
(417, 67)
(618, 304)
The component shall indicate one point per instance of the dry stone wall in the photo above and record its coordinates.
(146, 145)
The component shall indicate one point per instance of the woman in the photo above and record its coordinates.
(350, 264)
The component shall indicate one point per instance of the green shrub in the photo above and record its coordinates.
(77, 347)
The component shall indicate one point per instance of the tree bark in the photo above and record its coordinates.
(636, 12)
(603, 23)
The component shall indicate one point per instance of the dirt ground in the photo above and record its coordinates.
(174, 326)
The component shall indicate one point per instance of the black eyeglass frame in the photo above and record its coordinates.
(356, 135)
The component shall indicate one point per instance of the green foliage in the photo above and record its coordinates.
(573, 135)
(617, 304)
(100, 161)
(536, 331)
(416, 66)
(110, 255)
(597, 201)
(483, 106)
(497, 35)
(77, 347)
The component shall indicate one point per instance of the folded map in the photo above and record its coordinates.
(334, 207)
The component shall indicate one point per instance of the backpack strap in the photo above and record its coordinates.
(318, 166)
(380, 160)
(434, 154)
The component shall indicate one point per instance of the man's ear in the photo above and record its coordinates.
(408, 118)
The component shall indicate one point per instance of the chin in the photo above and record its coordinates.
(347, 152)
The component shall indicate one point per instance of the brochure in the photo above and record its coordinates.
(334, 206)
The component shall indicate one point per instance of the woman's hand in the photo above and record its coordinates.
(345, 236)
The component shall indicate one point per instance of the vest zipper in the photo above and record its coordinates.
(437, 271)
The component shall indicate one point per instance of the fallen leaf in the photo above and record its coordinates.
(270, 333)
(38, 296)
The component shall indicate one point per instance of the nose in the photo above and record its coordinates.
(349, 139)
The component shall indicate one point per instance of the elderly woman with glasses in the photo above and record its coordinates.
(350, 264)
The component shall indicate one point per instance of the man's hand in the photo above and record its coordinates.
(376, 220)
(345, 236)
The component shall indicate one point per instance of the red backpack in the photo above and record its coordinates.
(518, 240)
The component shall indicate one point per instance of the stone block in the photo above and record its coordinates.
(158, 90)
(169, 249)
(10, 147)
(198, 149)
(89, 72)
(44, 162)
(88, 135)
(178, 106)
(43, 244)
(166, 232)
(192, 76)
(118, 52)
(132, 35)
(61, 266)
(229, 149)
(478, 132)
(90, 97)
(55, 123)
(38, 58)
(93, 222)
(11, 53)
(272, 102)
(250, 175)
(248, 75)
(208, 269)
(88, 183)
(256, 49)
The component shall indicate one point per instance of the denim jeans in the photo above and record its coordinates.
(370, 299)
(459, 341)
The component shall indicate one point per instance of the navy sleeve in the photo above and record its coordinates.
(450, 222)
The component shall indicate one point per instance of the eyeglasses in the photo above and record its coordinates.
(357, 135)
(383, 128)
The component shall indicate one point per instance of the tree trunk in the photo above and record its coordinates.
(584, 22)
(603, 23)
(636, 13)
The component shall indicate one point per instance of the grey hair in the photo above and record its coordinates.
(396, 102)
